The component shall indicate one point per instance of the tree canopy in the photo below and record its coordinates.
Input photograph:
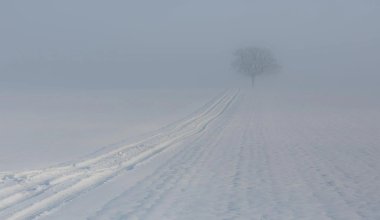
(254, 61)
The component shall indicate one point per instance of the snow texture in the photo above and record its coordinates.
(244, 155)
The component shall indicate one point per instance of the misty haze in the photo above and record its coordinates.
(176, 110)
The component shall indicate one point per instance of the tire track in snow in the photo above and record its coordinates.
(96, 170)
(143, 199)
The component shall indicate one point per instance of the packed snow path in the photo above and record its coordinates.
(232, 159)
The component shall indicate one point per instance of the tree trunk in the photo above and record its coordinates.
(253, 81)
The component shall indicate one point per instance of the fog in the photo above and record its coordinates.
(145, 44)
(165, 109)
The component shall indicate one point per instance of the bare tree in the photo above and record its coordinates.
(254, 61)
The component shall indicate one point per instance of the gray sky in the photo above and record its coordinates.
(145, 43)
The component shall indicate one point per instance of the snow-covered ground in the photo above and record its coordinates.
(39, 128)
(244, 155)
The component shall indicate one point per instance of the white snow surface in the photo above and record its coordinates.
(42, 127)
(246, 154)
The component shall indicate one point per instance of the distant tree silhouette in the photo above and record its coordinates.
(254, 61)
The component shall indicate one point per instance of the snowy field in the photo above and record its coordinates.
(239, 154)
(39, 128)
